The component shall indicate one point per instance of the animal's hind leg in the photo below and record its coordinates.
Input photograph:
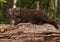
(52, 23)
(37, 22)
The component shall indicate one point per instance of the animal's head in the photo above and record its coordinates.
(14, 11)
(15, 15)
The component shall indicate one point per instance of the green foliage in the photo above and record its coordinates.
(25, 3)
(3, 1)
(30, 4)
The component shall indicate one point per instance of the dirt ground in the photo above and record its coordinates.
(27, 32)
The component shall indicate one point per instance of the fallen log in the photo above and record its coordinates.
(29, 33)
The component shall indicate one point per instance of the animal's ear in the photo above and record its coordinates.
(18, 10)
(8, 11)
(11, 11)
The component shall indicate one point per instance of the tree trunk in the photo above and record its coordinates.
(55, 6)
(14, 5)
(37, 5)
(52, 9)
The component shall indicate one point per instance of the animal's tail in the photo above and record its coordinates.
(53, 23)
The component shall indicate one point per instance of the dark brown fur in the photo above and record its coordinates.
(21, 15)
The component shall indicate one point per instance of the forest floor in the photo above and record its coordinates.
(27, 32)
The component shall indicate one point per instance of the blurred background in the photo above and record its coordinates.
(49, 7)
